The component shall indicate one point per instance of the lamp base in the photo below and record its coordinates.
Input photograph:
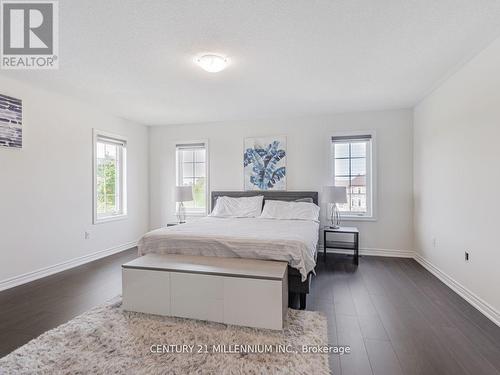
(335, 217)
(181, 213)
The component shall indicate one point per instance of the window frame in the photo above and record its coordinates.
(371, 175)
(96, 135)
(190, 212)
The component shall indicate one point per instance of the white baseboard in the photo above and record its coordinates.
(486, 309)
(43, 272)
(374, 252)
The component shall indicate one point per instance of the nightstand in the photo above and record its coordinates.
(347, 245)
(173, 223)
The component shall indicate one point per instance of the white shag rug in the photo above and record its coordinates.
(108, 340)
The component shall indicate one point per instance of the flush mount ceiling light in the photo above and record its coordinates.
(212, 63)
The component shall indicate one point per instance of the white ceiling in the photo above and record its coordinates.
(288, 57)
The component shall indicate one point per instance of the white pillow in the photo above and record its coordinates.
(238, 207)
(290, 210)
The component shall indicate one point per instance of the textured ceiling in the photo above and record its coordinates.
(288, 58)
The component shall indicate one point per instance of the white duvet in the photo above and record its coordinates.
(292, 241)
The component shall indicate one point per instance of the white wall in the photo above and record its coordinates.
(46, 188)
(308, 164)
(457, 177)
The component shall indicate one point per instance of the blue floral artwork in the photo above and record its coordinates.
(11, 118)
(264, 162)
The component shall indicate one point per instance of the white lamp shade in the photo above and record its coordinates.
(183, 193)
(335, 194)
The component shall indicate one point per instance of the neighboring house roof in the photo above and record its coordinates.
(359, 181)
(356, 181)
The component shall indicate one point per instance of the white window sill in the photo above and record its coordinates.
(107, 219)
(190, 214)
(358, 218)
(196, 214)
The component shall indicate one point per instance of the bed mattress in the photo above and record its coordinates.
(292, 241)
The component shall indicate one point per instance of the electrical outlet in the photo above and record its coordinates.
(87, 235)
(434, 242)
(467, 257)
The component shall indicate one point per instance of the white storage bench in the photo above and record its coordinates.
(238, 291)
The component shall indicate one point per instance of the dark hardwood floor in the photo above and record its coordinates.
(400, 319)
(396, 316)
(31, 309)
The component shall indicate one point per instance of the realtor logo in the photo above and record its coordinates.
(29, 35)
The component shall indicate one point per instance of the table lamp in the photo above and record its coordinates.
(335, 195)
(182, 194)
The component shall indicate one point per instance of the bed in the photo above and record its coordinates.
(293, 241)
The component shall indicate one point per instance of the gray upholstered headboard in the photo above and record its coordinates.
(275, 195)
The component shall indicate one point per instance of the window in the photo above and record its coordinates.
(352, 168)
(110, 182)
(192, 171)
